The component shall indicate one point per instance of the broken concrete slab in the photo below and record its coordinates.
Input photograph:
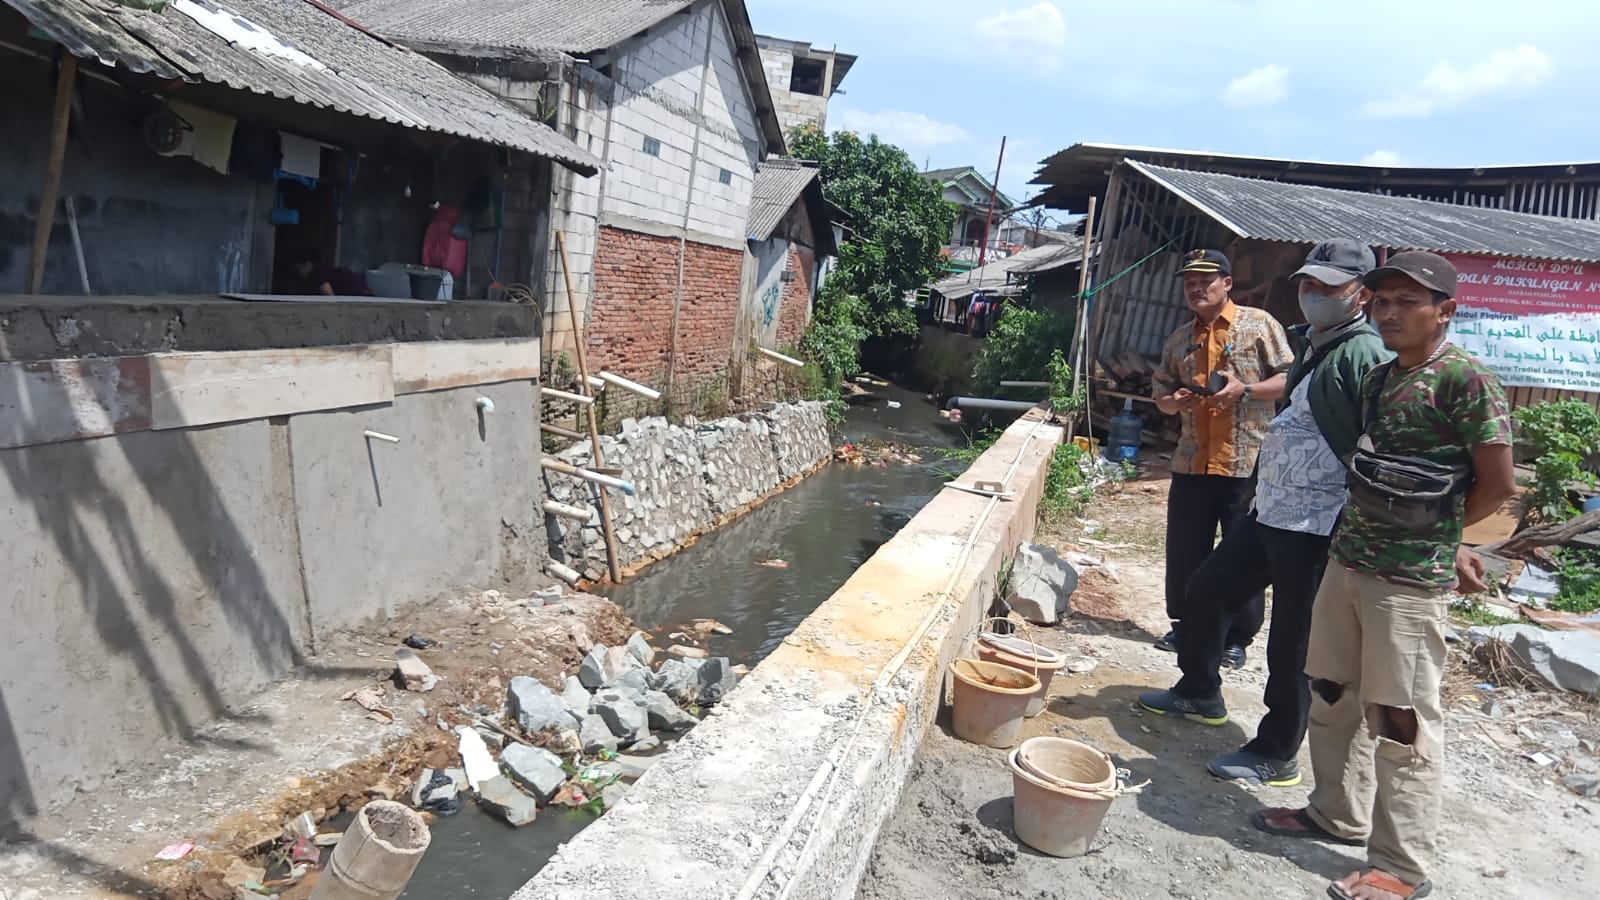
(539, 771)
(592, 673)
(716, 680)
(665, 715)
(1041, 584)
(413, 673)
(1566, 660)
(595, 735)
(534, 706)
(576, 696)
(639, 648)
(499, 796)
(624, 714)
(544, 597)
(679, 680)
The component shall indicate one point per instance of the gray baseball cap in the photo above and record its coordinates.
(1339, 261)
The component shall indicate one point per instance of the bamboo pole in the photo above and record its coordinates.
(66, 79)
(594, 424)
(1079, 330)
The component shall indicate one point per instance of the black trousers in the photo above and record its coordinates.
(1250, 557)
(1196, 505)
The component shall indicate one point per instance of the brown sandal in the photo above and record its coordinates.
(1309, 828)
(1383, 881)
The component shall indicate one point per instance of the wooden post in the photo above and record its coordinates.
(1080, 328)
(594, 424)
(66, 79)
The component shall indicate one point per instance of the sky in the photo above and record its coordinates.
(1416, 82)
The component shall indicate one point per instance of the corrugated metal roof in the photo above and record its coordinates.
(571, 26)
(779, 183)
(302, 54)
(1277, 211)
(997, 274)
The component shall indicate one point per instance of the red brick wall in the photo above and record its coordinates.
(630, 326)
(794, 311)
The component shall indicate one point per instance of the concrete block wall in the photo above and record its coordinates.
(159, 574)
(687, 480)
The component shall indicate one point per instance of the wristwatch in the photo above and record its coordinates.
(1248, 390)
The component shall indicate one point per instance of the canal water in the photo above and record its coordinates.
(823, 528)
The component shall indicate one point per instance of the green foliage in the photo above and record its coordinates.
(899, 223)
(1474, 613)
(1063, 399)
(1023, 346)
(831, 347)
(1580, 580)
(1562, 434)
(1064, 493)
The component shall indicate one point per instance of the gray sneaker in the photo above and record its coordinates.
(1246, 765)
(1166, 703)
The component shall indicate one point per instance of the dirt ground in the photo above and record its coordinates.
(1509, 828)
(299, 747)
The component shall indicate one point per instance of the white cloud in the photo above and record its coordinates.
(1447, 86)
(1261, 87)
(1037, 33)
(914, 132)
(1382, 158)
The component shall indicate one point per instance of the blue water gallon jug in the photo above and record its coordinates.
(1126, 431)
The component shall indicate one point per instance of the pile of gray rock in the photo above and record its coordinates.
(685, 478)
(622, 698)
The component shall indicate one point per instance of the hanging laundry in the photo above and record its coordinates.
(210, 134)
(440, 248)
(301, 156)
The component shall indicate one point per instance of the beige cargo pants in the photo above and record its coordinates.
(1376, 659)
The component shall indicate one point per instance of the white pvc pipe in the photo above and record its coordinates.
(380, 436)
(575, 513)
(77, 245)
(773, 354)
(596, 384)
(565, 395)
(990, 403)
(627, 385)
(570, 576)
(556, 465)
(1026, 384)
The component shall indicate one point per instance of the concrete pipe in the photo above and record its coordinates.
(376, 856)
(990, 403)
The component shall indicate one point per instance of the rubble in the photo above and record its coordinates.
(535, 707)
(624, 714)
(1583, 784)
(716, 680)
(634, 682)
(1565, 660)
(679, 651)
(576, 696)
(499, 796)
(665, 715)
(1041, 584)
(539, 771)
(679, 680)
(594, 735)
(413, 673)
(639, 648)
(592, 673)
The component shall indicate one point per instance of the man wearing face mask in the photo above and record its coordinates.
(1300, 493)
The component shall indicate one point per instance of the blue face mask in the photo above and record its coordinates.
(1323, 311)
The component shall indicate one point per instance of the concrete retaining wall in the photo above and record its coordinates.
(688, 479)
(160, 573)
(785, 786)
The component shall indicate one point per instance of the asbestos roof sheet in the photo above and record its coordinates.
(779, 183)
(571, 26)
(996, 275)
(1278, 211)
(295, 51)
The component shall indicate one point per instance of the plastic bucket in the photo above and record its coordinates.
(1043, 664)
(425, 284)
(990, 700)
(1061, 790)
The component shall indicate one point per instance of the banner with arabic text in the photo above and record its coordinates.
(1534, 323)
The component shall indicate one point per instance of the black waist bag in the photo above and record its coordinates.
(1403, 491)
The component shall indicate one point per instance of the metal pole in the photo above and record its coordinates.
(66, 79)
(594, 424)
(1079, 329)
(994, 190)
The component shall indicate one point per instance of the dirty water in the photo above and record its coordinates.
(823, 528)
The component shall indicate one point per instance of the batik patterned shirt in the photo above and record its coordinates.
(1300, 484)
(1246, 341)
(1440, 412)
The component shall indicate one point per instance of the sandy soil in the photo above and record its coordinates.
(300, 747)
(1509, 829)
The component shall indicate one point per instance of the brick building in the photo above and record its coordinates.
(672, 97)
(802, 79)
(792, 236)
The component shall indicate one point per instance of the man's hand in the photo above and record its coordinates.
(1181, 400)
(1470, 572)
(1229, 396)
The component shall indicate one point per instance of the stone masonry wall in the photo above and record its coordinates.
(687, 479)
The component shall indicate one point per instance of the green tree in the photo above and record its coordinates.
(899, 222)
